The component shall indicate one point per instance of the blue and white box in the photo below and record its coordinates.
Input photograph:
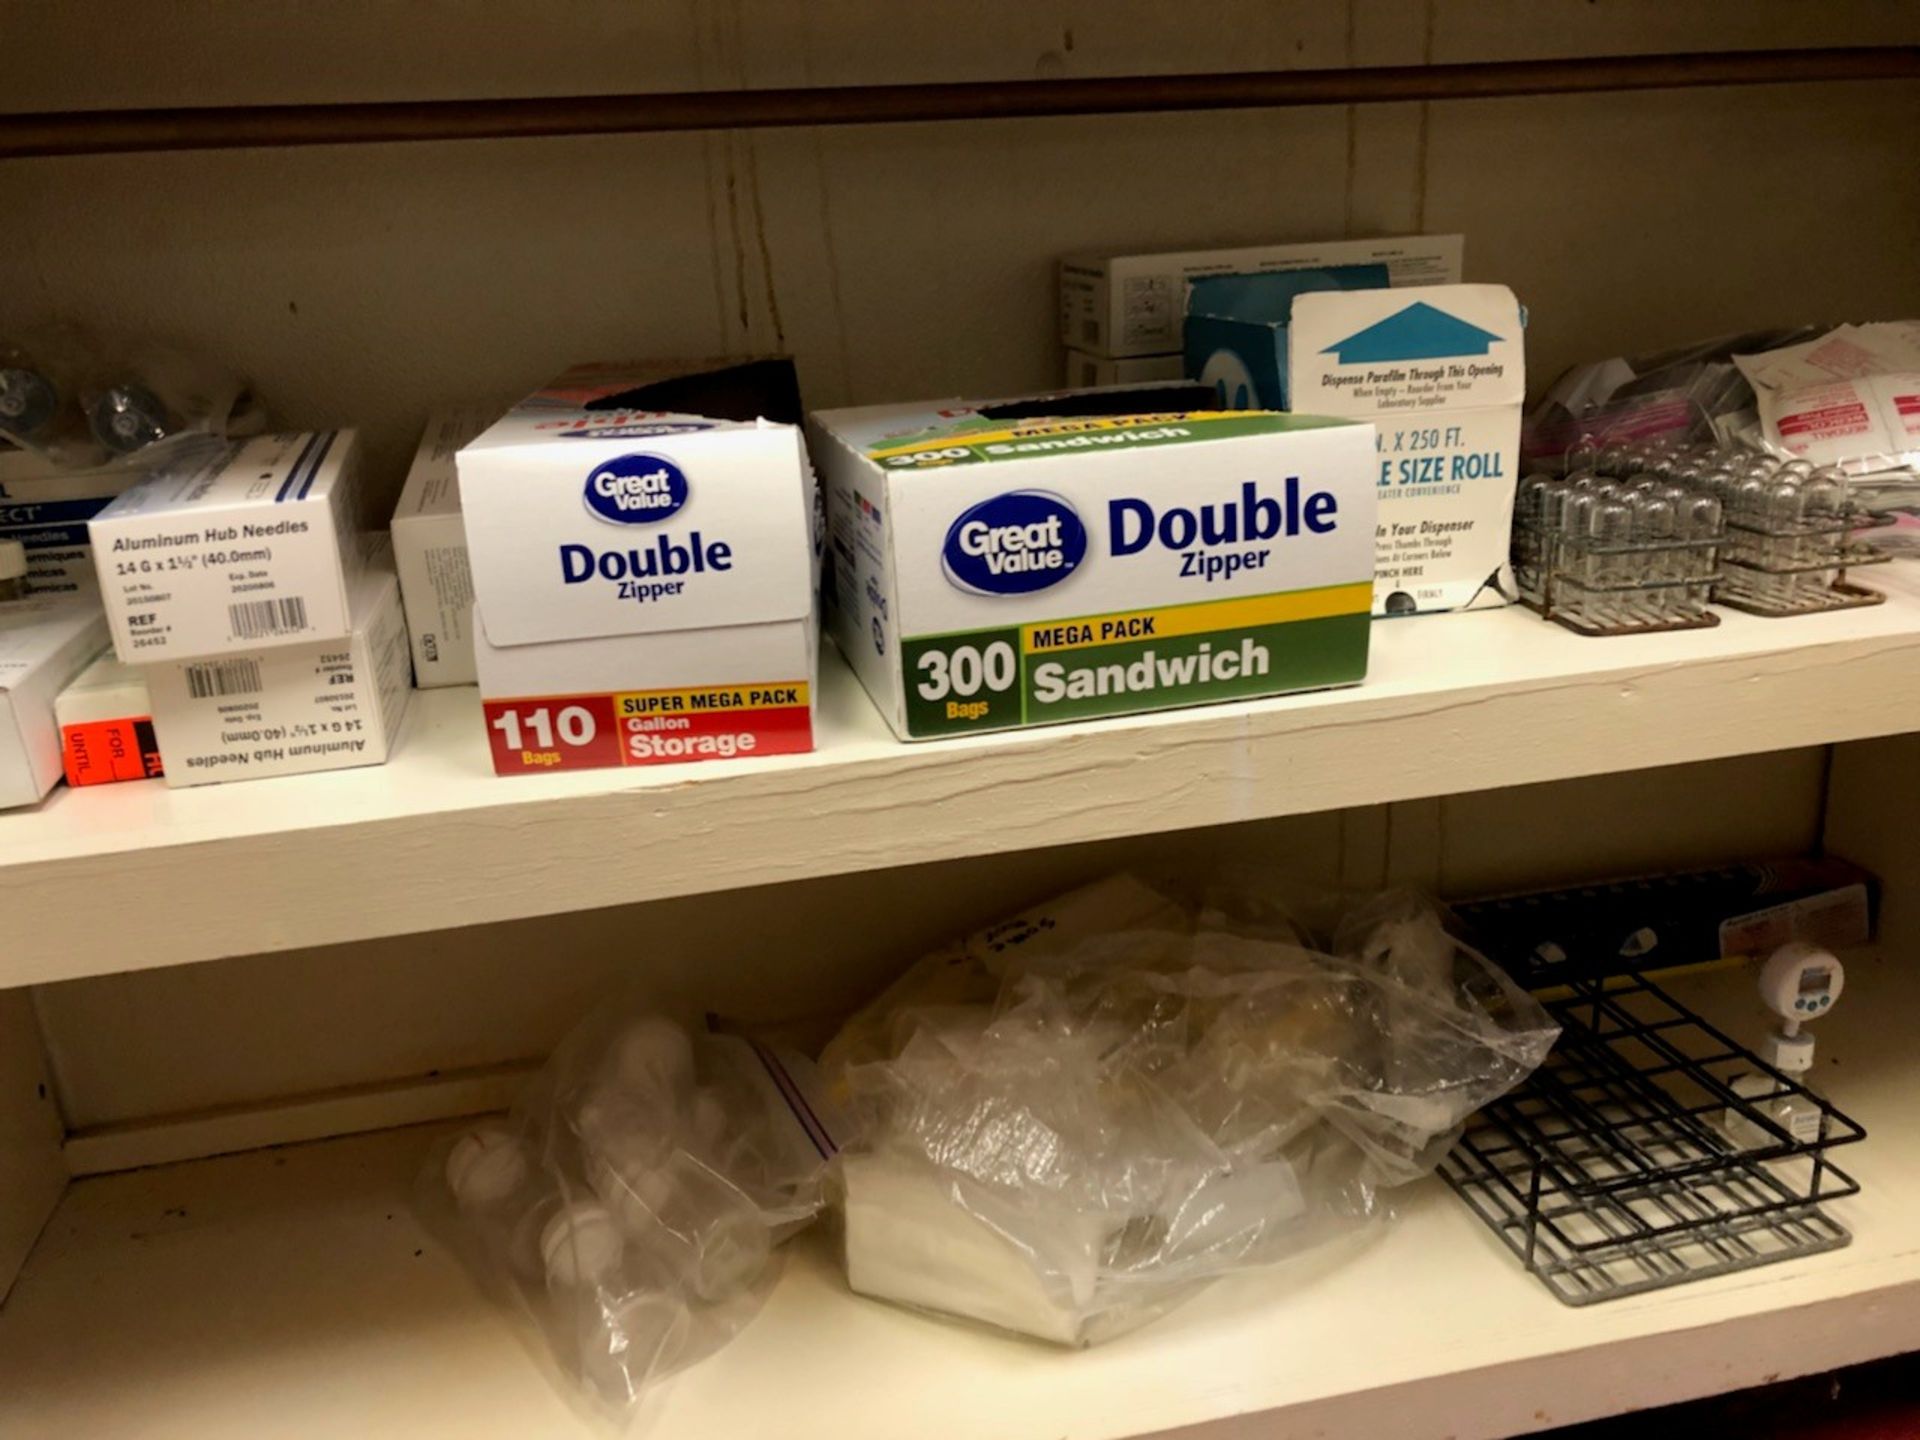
(233, 546)
(1236, 331)
(1441, 373)
(46, 508)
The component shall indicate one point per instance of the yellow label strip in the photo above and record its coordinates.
(1040, 429)
(769, 695)
(1196, 619)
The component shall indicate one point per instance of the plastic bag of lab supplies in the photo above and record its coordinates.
(83, 401)
(1069, 1122)
(632, 1204)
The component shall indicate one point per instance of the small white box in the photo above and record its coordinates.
(47, 509)
(327, 705)
(644, 569)
(43, 645)
(430, 551)
(106, 725)
(239, 547)
(1086, 370)
(1126, 305)
(1442, 373)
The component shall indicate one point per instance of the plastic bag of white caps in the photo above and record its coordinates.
(1066, 1124)
(82, 400)
(632, 1204)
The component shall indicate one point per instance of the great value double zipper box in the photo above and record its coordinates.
(994, 565)
(644, 558)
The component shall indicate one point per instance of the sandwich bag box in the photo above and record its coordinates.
(44, 643)
(106, 725)
(1441, 372)
(292, 709)
(644, 551)
(430, 552)
(1001, 564)
(233, 546)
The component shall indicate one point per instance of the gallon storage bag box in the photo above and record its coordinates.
(47, 509)
(44, 643)
(106, 725)
(1442, 373)
(328, 705)
(643, 542)
(1017, 563)
(233, 546)
(430, 551)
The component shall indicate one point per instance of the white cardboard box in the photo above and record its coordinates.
(639, 567)
(47, 509)
(1442, 374)
(430, 551)
(325, 705)
(1130, 305)
(106, 725)
(1085, 370)
(991, 572)
(239, 547)
(44, 643)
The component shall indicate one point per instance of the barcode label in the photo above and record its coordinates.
(256, 618)
(217, 678)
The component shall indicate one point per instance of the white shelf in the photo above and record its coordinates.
(433, 839)
(292, 1293)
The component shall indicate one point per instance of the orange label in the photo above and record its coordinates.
(102, 751)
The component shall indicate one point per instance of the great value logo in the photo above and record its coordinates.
(635, 490)
(1014, 544)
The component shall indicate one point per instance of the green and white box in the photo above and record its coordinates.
(988, 573)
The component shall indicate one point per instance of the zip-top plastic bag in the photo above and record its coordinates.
(632, 1204)
(83, 401)
(1067, 1123)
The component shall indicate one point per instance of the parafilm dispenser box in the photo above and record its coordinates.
(232, 547)
(1442, 373)
(326, 705)
(1016, 564)
(643, 551)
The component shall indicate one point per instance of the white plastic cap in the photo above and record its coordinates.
(485, 1167)
(581, 1246)
(13, 560)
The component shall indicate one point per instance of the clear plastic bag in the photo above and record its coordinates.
(632, 1204)
(84, 401)
(1065, 1124)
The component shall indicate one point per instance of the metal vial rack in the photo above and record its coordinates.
(1640, 539)
(1617, 557)
(1630, 1162)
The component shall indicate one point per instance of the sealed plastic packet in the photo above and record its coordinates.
(84, 401)
(632, 1204)
(1066, 1135)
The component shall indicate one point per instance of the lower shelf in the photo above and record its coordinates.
(292, 1293)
